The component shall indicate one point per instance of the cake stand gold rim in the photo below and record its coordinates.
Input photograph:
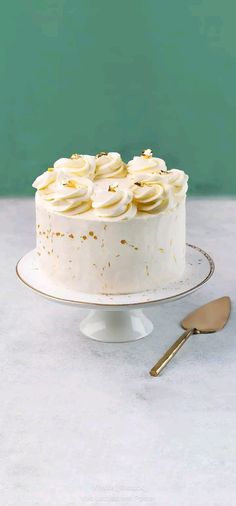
(144, 303)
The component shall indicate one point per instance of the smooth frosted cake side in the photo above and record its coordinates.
(107, 227)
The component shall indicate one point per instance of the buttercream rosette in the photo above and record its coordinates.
(178, 182)
(145, 163)
(83, 182)
(151, 193)
(77, 165)
(68, 194)
(110, 165)
(114, 204)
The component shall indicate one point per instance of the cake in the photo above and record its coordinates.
(104, 226)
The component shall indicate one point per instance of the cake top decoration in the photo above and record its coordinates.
(75, 156)
(102, 153)
(70, 183)
(112, 187)
(147, 153)
(108, 188)
(110, 165)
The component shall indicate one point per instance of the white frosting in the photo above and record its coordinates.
(143, 164)
(44, 179)
(151, 194)
(110, 165)
(114, 204)
(92, 255)
(101, 185)
(80, 165)
(178, 182)
(70, 194)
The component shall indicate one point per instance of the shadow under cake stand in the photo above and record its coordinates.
(118, 318)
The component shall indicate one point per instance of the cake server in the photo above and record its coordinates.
(204, 320)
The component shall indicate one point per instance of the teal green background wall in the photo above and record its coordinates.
(93, 75)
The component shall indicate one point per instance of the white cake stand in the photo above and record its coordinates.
(118, 318)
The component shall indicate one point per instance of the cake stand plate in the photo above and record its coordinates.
(118, 318)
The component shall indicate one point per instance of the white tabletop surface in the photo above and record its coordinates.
(82, 421)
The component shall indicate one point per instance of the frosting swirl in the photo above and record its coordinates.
(70, 194)
(178, 181)
(76, 184)
(150, 192)
(109, 165)
(44, 179)
(145, 163)
(114, 204)
(78, 165)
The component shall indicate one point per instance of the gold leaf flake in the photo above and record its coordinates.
(146, 153)
(102, 153)
(70, 184)
(113, 187)
(75, 156)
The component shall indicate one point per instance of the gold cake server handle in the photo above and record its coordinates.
(171, 352)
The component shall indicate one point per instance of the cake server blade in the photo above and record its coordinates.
(208, 318)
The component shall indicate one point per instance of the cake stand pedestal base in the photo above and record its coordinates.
(116, 326)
